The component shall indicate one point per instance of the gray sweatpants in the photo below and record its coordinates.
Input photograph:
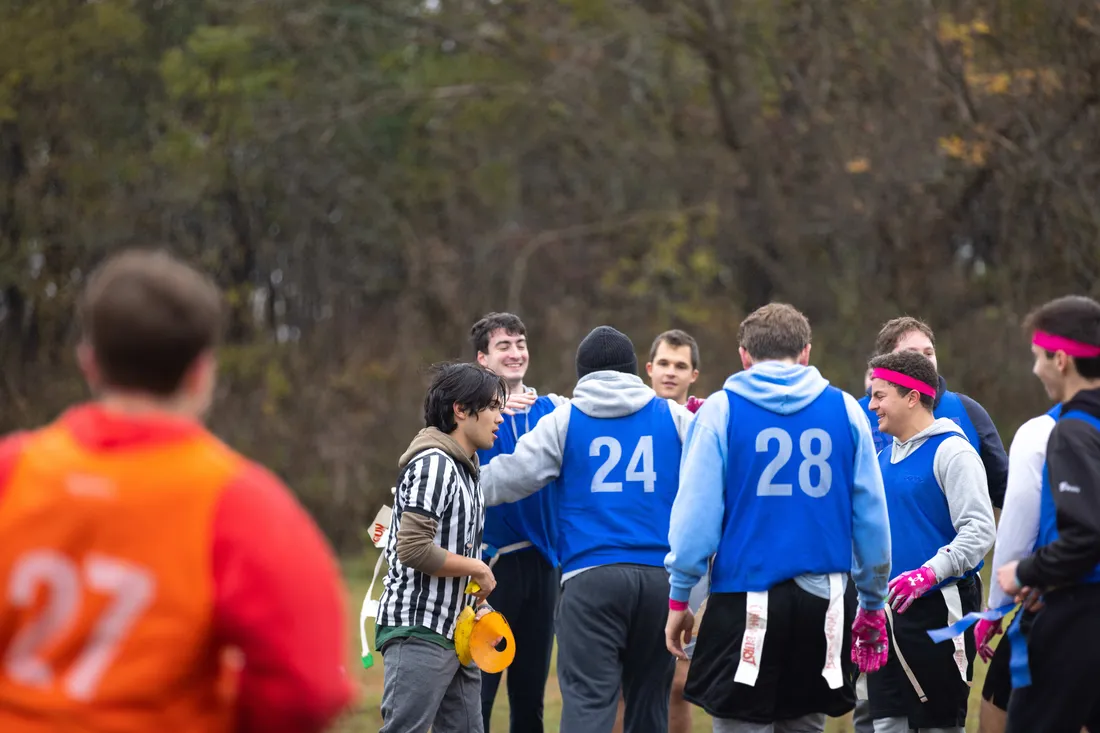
(807, 724)
(861, 716)
(863, 723)
(424, 685)
(611, 635)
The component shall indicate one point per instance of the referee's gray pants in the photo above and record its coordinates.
(611, 635)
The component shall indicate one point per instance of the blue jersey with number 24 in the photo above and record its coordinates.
(788, 502)
(618, 480)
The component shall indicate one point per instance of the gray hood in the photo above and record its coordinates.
(611, 394)
(900, 450)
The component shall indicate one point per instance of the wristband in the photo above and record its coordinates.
(674, 605)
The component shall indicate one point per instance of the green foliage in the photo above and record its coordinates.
(366, 179)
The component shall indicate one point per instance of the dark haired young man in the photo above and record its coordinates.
(613, 458)
(910, 334)
(941, 526)
(433, 551)
(1064, 641)
(778, 459)
(138, 566)
(519, 537)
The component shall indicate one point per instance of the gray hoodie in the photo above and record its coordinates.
(538, 455)
(961, 475)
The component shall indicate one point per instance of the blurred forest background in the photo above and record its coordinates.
(367, 178)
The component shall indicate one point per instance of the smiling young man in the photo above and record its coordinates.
(519, 537)
(433, 551)
(910, 334)
(778, 458)
(941, 526)
(143, 559)
(1063, 644)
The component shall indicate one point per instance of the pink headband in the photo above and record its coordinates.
(903, 381)
(1076, 349)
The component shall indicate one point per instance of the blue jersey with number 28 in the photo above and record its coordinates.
(618, 480)
(788, 502)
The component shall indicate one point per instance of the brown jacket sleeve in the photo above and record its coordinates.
(416, 545)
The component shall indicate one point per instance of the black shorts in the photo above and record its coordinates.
(789, 683)
(1063, 652)
(998, 678)
(935, 666)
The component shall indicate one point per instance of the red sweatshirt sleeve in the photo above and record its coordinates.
(10, 450)
(279, 598)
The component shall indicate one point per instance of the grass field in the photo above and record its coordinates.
(367, 718)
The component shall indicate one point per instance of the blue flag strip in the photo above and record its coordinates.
(950, 632)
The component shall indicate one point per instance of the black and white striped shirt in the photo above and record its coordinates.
(435, 485)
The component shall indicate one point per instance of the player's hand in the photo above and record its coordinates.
(518, 402)
(1031, 598)
(482, 611)
(678, 631)
(984, 631)
(486, 581)
(1006, 578)
(870, 642)
(910, 586)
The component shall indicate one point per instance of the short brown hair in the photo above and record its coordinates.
(774, 331)
(482, 331)
(147, 317)
(892, 331)
(911, 364)
(1073, 317)
(676, 338)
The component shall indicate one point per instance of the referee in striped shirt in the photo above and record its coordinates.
(433, 552)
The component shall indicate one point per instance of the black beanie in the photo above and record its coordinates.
(605, 349)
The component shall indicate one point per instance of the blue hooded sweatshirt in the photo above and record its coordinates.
(699, 512)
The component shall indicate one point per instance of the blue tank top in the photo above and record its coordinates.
(618, 479)
(920, 519)
(532, 519)
(788, 502)
(950, 406)
(1048, 515)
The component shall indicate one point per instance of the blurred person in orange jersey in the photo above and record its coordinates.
(153, 579)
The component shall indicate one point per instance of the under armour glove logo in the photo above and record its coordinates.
(910, 586)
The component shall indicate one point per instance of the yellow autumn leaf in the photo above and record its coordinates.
(953, 146)
(858, 165)
(980, 26)
(998, 83)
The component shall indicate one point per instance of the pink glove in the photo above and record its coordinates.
(908, 587)
(869, 640)
(984, 631)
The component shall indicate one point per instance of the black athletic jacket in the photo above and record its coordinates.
(1073, 457)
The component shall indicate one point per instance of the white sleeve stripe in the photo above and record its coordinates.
(1019, 526)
